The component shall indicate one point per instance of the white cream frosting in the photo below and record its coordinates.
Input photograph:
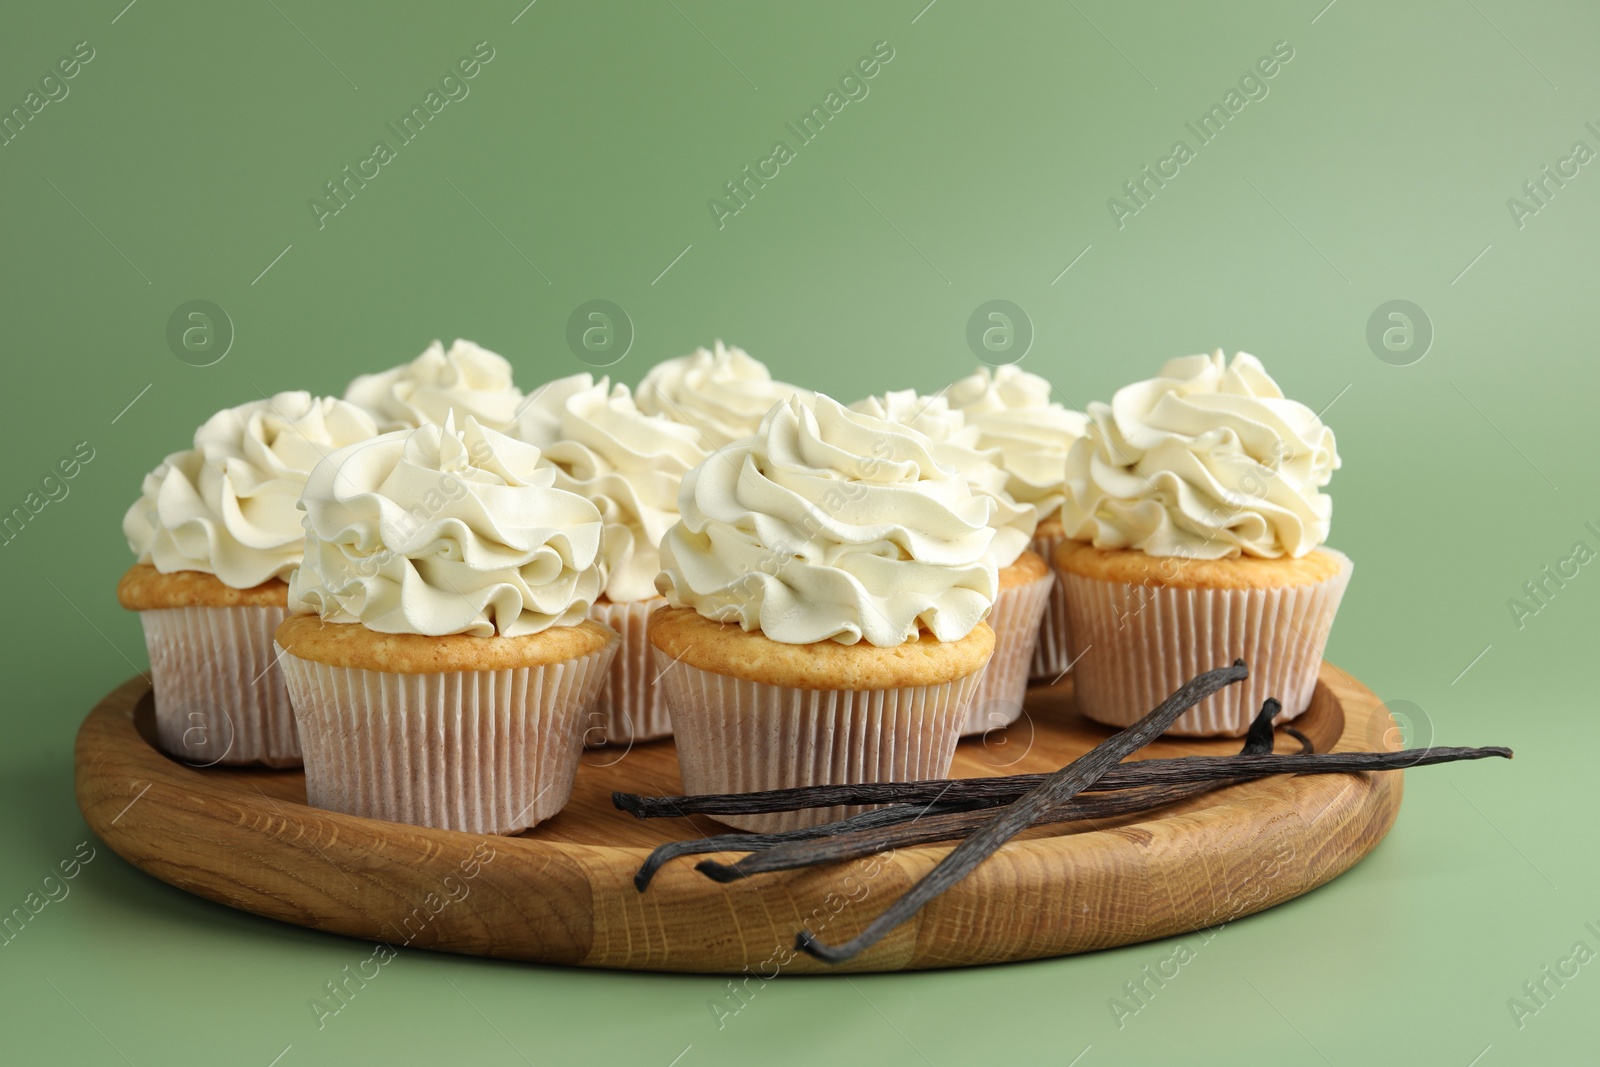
(630, 464)
(723, 392)
(956, 445)
(1208, 460)
(1013, 412)
(542, 413)
(443, 531)
(469, 380)
(228, 506)
(828, 524)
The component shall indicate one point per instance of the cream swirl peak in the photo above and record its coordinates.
(629, 463)
(723, 392)
(828, 524)
(469, 380)
(229, 505)
(442, 531)
(1013, 412)
(956, 445)
(1208, 460)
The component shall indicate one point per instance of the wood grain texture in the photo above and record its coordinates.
(563, 892)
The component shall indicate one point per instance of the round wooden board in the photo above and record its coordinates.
(563, 892)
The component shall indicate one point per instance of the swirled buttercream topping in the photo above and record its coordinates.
(469, 380)
(828, 524)
(628, 463)
(955, 445)
(1208, 460)
(443, 531)
(229, 505)
(721, 391)
(1013, 412)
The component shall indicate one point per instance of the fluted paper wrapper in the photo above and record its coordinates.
(486, 752)
(1004, 682)
(220, 697)
(1141, 643)
(736, 736)
(1051, 655)
(631, 707)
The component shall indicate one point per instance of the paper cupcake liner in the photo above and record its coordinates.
(1140, 643)
(735, 736)
(631, 707)
(220, 697)
(487, 752)
(1004, 682)
(1050, 655)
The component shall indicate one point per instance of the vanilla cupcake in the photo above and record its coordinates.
(723, 392)
(216, 532)
(1025, 580)
(1197, 523)
(828, 582)
(441, 664)
(1013, 412)
(630, 465)
(471, 381)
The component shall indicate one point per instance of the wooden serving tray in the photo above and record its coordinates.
(563, 892)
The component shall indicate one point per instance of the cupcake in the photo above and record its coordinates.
(440, 660)
(828, 584)
(722, 392)
(1013, 412)
(469, 380)
(1197, 522)
(216, 532)
(1025, 580)
(630, 465)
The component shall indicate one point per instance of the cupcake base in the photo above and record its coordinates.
(1026, 587)
(750, 713)
(488, 750)
(737, 736)
(1138, 641)
(631, 707)
(219, 692)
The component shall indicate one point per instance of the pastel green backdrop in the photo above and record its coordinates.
(1377, 166)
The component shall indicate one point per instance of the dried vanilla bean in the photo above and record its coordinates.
(859, 841)
(973, 792)
(945, 826)
(1007, 822)
(748, 842)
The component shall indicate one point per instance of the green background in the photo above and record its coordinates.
(979, 167)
